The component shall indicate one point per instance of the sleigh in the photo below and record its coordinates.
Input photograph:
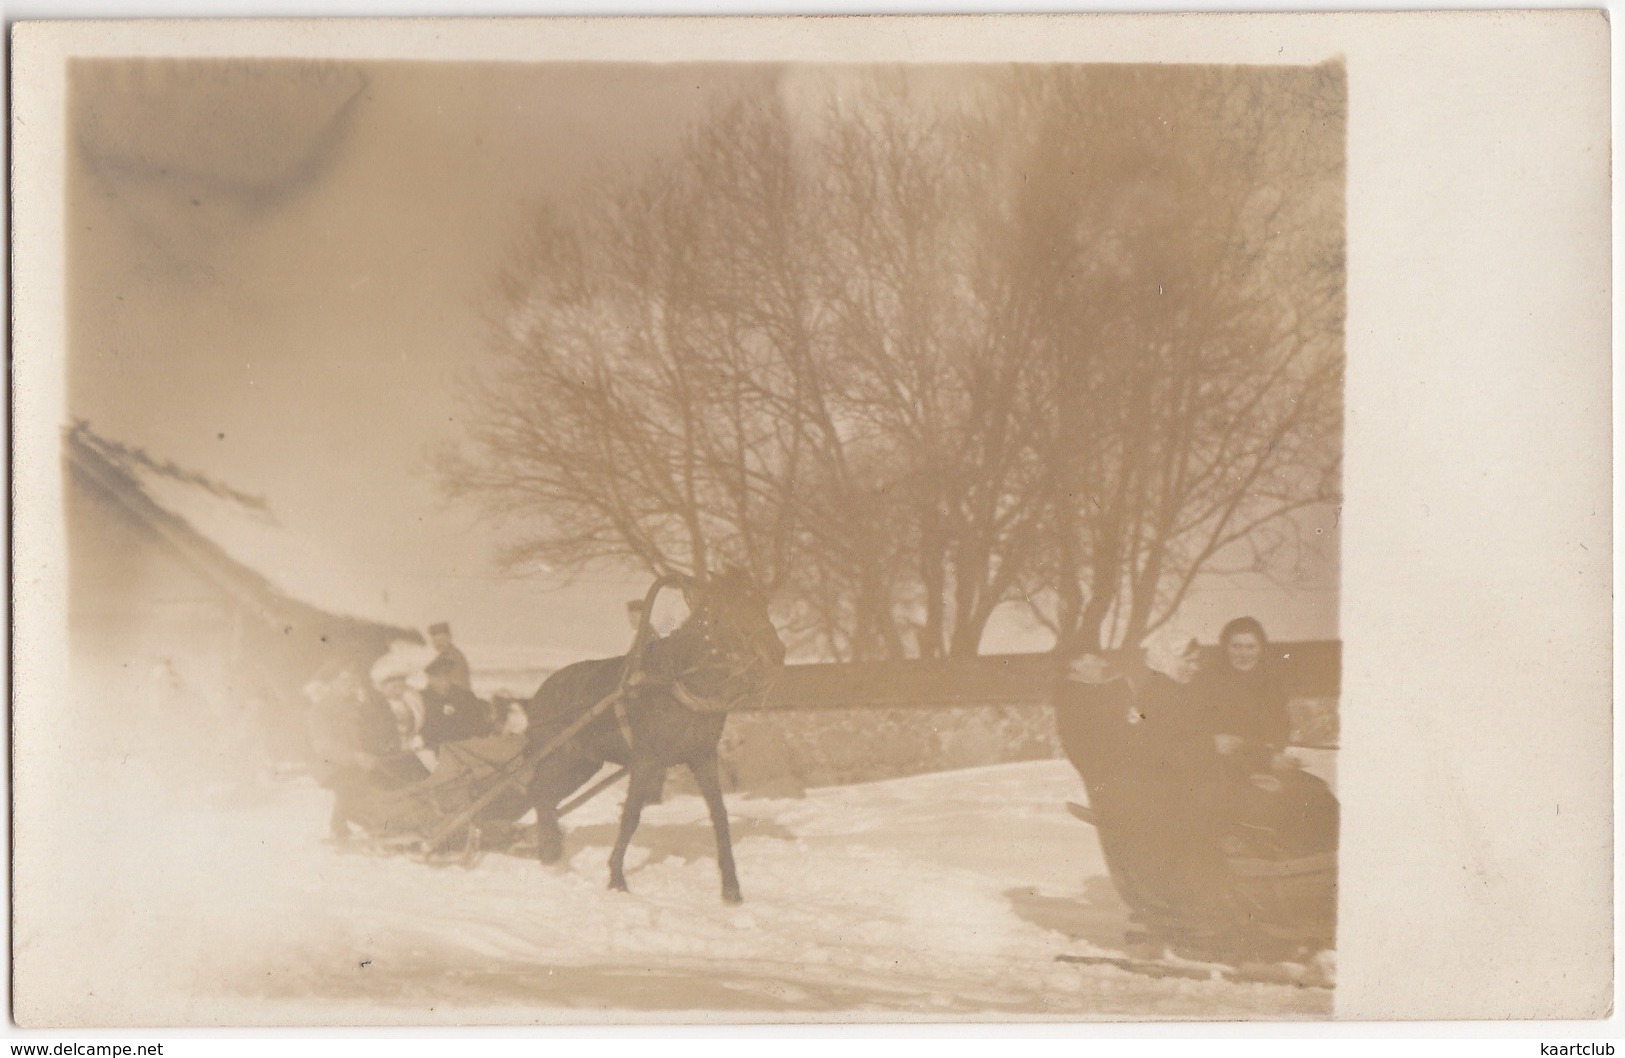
(468, 804)
(408, 817)
(1289, 898)
(1277, 903)
(477, 789)
(1259, 867)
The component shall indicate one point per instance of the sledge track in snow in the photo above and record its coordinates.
(943, 895)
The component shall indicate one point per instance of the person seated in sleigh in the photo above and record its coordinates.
(1141, 742)
(1193, 793)
(357, 746)
(1246, 701)
(406, 705)
(452, 713)
(1277, 808)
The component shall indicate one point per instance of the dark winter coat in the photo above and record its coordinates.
(1295, 815)
(1251, 706)
(453, 715)
(1091, 721)
(458, 673)
(357, 743)
(1147, 759)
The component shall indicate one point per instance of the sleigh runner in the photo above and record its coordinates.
(466, 806)
(413, 818)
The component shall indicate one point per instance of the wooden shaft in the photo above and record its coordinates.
(592, 791)
(510, 771)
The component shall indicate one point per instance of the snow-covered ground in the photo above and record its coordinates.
(939, 896)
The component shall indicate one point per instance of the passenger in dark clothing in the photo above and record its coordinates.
(1250, 719)
(1092, 704)
(1196, 807)
(1146, 755)
(1176, 782)
(357, 745)
(451, 712)
(1277, 808)
(446, 651)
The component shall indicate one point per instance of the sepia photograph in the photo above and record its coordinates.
(774, 540)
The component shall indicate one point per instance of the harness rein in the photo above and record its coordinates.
(721, 702)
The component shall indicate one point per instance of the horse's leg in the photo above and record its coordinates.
(549, 837)
(710, 783)
(647, 780)
(556, 778)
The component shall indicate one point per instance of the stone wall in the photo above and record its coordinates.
(781, 754)
(790, 751)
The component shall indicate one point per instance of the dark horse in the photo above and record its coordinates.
(725, 649)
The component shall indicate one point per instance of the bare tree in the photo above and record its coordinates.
(1174, 252)
(1071, 337)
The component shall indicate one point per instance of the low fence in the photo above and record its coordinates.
(1305, 670)
(782, 753)
(832, 724)
(826, 724)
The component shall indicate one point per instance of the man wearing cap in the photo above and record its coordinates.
(445, 650)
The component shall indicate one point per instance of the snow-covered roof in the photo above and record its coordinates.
(245, 529)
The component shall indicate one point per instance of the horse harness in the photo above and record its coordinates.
(684, 697)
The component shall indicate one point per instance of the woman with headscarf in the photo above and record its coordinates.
(1280, 809)
(1250, 720)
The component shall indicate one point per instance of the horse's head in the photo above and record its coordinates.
(729, 616)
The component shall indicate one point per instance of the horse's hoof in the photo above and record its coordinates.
(731, 896)
(618, 885)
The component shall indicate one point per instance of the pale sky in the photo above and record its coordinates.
(276, 277)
